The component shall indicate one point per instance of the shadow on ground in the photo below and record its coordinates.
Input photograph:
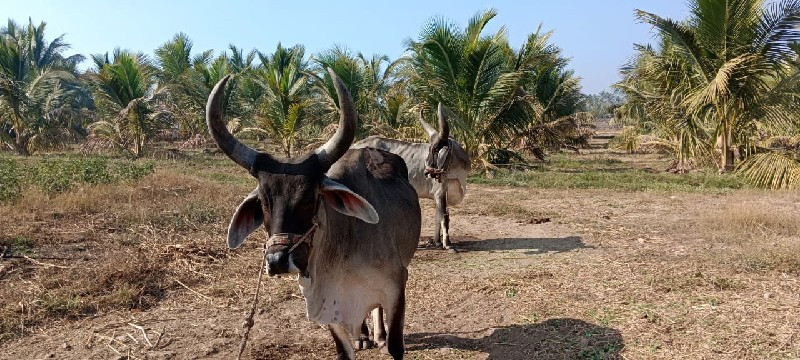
(533, 245)
(552, 339)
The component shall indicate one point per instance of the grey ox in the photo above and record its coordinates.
(437, 170)
(346, 220)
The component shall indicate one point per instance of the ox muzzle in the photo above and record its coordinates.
(437, 163)
(288, 253)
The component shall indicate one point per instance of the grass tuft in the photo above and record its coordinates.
(60, 174)
(629, 180)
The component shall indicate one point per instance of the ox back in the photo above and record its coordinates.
(448, 190)
(355, 266)
(414, 156)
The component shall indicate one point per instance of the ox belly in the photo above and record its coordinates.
(345, 299)
(455, 191)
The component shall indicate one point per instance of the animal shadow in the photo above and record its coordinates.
(533, 245)
(563, 338)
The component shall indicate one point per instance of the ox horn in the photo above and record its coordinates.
(238, 152)
(428, 128)
(444, 128)
(338, 144)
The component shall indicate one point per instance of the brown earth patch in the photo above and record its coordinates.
(614, 275)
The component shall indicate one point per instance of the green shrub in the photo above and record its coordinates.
(55, 175)
(133, 171)
(10, 184)
(631, 180)
(94, 171)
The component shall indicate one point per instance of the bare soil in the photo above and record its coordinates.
(541, 274)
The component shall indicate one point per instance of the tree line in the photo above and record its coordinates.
(498, 97)
(721, 89)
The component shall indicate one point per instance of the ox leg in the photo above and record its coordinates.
(446, 228)
(363, 342)
(344, 349)
(442, 233)
(437, 228)
(378, 328)
(395, 319)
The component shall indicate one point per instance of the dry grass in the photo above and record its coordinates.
(504, 205)
(745, 220)
(758, 235)
(107, 247)
(616, 274)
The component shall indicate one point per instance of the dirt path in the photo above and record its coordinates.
(603, 276)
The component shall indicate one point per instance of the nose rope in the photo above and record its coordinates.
(292, 240)
(437, 173)
(307, 237)
(248, 322)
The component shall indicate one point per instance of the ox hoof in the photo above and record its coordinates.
(451, 250)
(430, 244)
(363, 344)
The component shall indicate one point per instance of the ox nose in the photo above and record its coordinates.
(277, 263)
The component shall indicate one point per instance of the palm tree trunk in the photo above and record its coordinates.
(681, 166)
(727, 160)
(138, 144)
(21, 145)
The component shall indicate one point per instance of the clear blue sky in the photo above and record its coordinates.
(597, 35)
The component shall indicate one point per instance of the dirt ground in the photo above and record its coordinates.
(541, 274)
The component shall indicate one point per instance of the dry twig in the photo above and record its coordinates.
(193, 290)
(144, 333)
(37, 262)
(160, 335)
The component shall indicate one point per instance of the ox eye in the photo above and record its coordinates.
(306, 208)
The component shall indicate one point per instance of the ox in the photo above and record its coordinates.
(346, 220)
(437, 170)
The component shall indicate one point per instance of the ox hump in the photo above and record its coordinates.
(384, 165)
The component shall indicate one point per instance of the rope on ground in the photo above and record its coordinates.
(248, 321)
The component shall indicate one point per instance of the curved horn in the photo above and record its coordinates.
(428, 128)
(338, 144)
(238, 152)
(444, 128)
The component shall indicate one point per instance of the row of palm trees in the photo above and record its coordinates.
(39, 92)
(498, 96)
(722, 88)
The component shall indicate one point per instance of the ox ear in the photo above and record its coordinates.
(345, 201)
(246, 219)
(442, 159)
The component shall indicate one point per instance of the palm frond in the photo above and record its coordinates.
(771, 170)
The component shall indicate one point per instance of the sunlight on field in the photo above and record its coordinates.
(619, 182)
(610, 271)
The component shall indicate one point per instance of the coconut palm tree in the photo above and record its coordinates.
(561, 121)
(181, 73)
(373, 83)
(472, 74)
(241, 95)
(282, 96)
(40, 98)
(726, 71)
(128, 98)
(655, 88)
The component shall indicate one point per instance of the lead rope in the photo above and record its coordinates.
(248, 322)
